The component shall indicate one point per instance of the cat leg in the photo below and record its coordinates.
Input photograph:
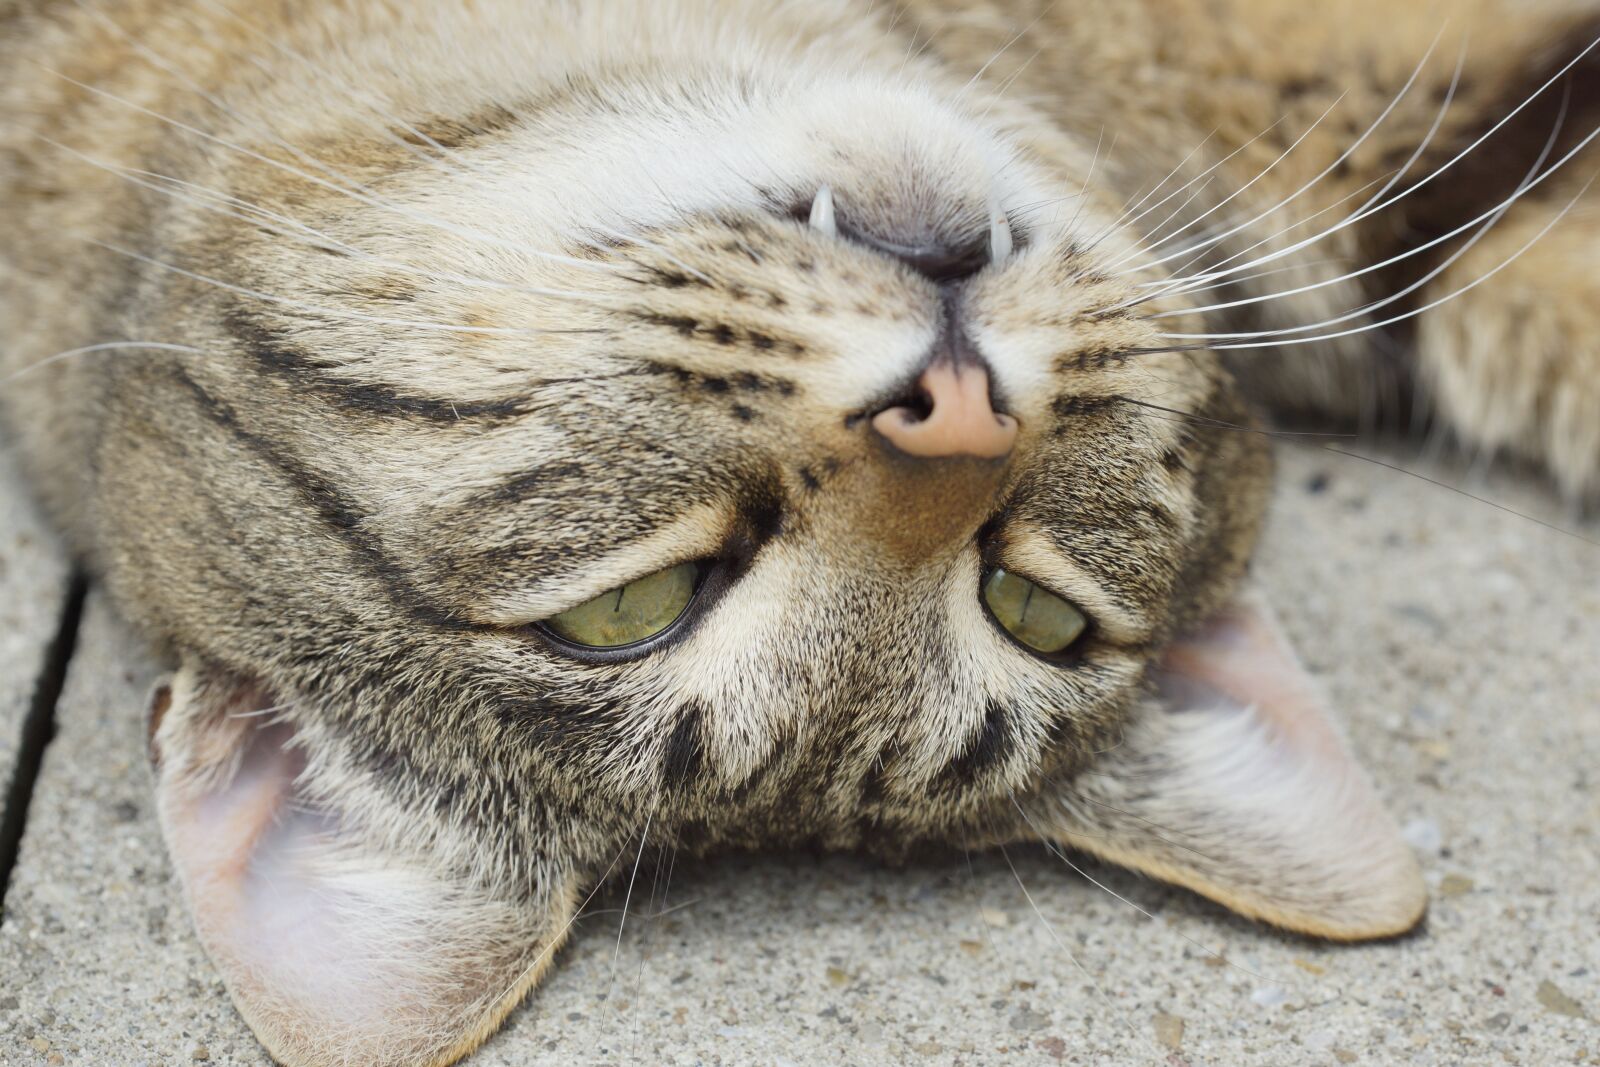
(1512, 366)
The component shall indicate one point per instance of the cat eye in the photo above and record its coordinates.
(1034, 616)
(629, 613)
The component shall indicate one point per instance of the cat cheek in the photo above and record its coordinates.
(335, 949)
(1236, 784)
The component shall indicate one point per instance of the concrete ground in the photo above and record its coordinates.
(1461, 642)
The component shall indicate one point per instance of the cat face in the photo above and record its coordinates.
(685, 363)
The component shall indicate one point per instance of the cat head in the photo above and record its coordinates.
(713, 456)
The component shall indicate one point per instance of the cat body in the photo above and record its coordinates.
(437, 321)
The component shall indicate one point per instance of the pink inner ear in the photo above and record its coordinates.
(335, 950)
(268, 895)
(1253, 770)
(1242, 658)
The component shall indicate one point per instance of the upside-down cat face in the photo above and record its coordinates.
(843, 347)
(694, 375)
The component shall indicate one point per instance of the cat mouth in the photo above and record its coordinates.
(939, 258)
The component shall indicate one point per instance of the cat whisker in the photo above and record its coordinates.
(1329, 169)
(1488, 220)
(1026, 212)
(1433, 130)
(445, 161)
(1088, 179)
(1234, 340)
(1422, 182)
(1003, 49)
(644, 836)
(1268, 273)
(684, 905)
(323, 310)
(1393, 178)
(1051, 847)
(1162, 832)
(998, 93)
(634, 238)
(657, 912)
(294, 230)
(977, 902)
(177, 75)
(1199, 189)
(1487, 458)
(559, 936)
(1218, 424)
(105, 346)
(1121, 1014)
(1146, 249)
(1186, 281)
(476, 236)
(1156, 188)
(441, 163)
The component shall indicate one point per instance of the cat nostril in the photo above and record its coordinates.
(950, 414)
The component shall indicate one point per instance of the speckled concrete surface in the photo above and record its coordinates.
(33, 589)
(1462, 643)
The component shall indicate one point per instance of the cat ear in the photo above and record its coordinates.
(336, 949)
(1234, 783)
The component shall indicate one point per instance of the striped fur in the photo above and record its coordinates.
(486, 309)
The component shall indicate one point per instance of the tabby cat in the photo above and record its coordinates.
(530, 425)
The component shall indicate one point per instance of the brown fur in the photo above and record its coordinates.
(373, 471)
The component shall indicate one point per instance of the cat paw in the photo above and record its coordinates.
(1513, 365)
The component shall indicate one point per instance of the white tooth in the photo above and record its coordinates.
(822, 212)
(999, 239)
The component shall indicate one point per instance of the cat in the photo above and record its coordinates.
(533, 427)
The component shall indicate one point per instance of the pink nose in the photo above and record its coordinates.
(960, 420)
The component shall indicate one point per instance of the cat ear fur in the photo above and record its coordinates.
(335, 950)
(1233, 782)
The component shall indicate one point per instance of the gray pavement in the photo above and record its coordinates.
(1461, 643)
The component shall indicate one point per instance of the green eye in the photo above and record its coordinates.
(1038, 618)
(631, 612)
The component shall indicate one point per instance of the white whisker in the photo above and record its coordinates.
(1467, 246)
(1062, 856)
(644, 835)
(1122, 1016)
(1491, 215)
(1393, 179)
(1329, 169)
(1382, 205)
(468, 234)
(321, 309)
(291, 229)
(1287, 341)
(105, 346)
(1217, 207)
